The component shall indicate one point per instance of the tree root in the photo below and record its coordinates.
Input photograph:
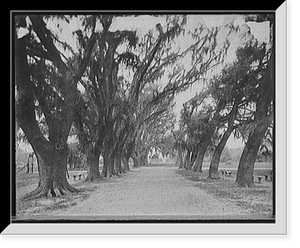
(43, 191)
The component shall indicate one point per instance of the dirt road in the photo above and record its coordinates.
(151, 193)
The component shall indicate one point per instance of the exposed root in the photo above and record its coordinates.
(43, 191)
(39, 192)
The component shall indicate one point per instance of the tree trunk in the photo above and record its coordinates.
(193, 158)
(246, 164)
(136, 162)
(52, 165)
(215, 161)
(144, 159)
(179, 160)
(93, 156)
(200, 156)
(118, 165)
(125, 161)
(108, 165)
(187, 161)
(27, 167)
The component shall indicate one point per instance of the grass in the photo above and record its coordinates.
(259, 199)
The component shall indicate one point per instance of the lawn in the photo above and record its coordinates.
(258, 199)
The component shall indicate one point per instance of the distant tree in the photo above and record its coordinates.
(76, 158)
(178, 136)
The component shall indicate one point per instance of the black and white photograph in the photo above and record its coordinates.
(146, 117)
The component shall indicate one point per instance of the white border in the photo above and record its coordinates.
(281, 118)
(280, 227)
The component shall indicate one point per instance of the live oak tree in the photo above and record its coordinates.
(46, 80)
(229, 86)
(192, 125)
(108, 103)
(258, 93)
(202, 119)
(262, 119)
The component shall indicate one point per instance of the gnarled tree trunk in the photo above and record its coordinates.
(93, 156)
(247, 161)
(51, 155)
(200, 156)
(52, 167)
(118, 164)
(108, 164)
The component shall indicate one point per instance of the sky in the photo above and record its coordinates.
(143, 23)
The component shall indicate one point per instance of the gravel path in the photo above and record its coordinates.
(151, 193)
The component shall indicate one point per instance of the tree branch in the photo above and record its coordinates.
(86, 58)
(39, 26)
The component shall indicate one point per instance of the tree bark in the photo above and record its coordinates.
(108, 165)
(93, 156)
(125, 161)
(143, 158)
(52, 165)
(247, 161)
(179, 160)
(200, 156)
(215, 161)
(118, 165)
(187, 161)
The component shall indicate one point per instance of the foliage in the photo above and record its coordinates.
(76, 158)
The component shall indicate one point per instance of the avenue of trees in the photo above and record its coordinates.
(239, 101)
(114, 90)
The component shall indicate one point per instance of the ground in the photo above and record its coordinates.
(158, 191)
